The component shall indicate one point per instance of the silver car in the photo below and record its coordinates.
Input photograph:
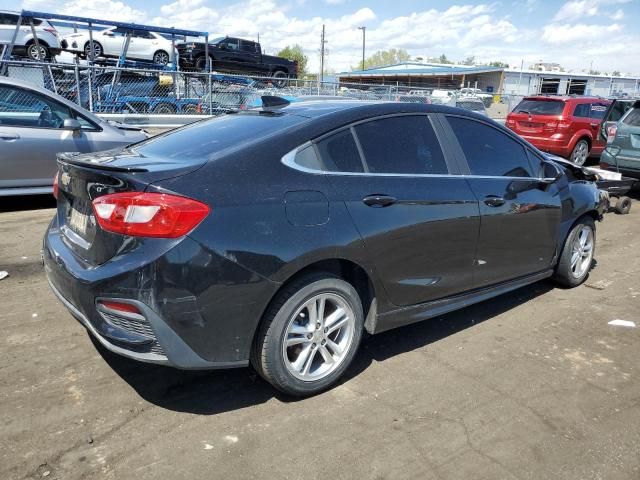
(36, 124)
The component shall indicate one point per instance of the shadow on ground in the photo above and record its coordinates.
(217, 391)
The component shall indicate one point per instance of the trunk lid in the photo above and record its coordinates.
(83, 178)
(536, 116)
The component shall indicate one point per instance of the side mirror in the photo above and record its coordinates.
(108, 34)
(72, 124)
(551, 173)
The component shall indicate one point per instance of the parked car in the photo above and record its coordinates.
(563, 125)
(235, 55)
(473, 104)
(25, 44)
(35, 124)
(273, 236)
(486, 98)
(143, 45)
(622, 153)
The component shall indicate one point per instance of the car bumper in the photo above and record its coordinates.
(627, 166)
(190, 318)
(557, 146)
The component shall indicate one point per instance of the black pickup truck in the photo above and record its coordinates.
(234, 55)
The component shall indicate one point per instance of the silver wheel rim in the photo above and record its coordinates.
(580, 154)
(582, 252)
(97, 50)
(161, 58)
(318, 337)
(38, 53)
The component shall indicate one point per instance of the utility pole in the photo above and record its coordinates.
(364, 30)
(321, 75)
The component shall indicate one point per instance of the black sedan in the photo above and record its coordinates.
(278, 236)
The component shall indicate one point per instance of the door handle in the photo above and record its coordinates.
(595, 125)
(494, 201)
(379, 201)
(9, 136)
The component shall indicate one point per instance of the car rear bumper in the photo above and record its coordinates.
(199, 314)
(557, 146)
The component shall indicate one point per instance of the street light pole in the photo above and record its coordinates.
(364, 30)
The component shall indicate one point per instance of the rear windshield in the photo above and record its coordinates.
(540, 107)
(199, 142)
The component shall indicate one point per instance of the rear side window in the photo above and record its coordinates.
(201, 141)
(405, 145)
(488, 151)
(582, 110)
(598, 110)
(339, 153)
(540, 107)
(632, 118)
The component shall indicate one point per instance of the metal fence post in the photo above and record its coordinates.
(90, 67)
(77, 72)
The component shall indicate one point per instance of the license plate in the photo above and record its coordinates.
(79, 219)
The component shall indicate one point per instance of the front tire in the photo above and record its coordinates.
(580, 152)
(576, 258)
(309, 335)
(97, 50)
(280, 79)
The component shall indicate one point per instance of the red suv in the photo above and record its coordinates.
(564, 126)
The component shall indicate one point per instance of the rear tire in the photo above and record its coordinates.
(201, 63)
(36, 54)
(97, 50)
(576, 258)
(164, 109)
(309, 334)
(161, 58)
(580, 152)
(280, 79)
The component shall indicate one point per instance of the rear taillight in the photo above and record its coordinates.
(510, 122)
(148, 214)
(55, 186)
(52, 31)
(199, 108)
(611, 133)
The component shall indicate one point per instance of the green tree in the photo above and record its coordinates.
(443, 59)
(497, 63)
(382, 58)
(615, 73)
(471, 60)
(295, 53)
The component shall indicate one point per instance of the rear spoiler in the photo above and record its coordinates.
(78, 159)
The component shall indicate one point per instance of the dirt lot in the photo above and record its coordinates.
(532, 385)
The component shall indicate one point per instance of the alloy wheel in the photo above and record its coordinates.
(580, 153)
(318, 337)
(37, 52)
(582, 252)
(97, 50)
(161, 58)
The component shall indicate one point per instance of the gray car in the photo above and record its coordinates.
(36, 124)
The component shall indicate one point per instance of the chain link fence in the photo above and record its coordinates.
(113, 90)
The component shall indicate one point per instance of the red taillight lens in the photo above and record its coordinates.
(52, 31)
(119, 306)
(611, 133)
(55, 186)
(148, 214)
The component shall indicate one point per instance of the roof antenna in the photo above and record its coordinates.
(274, 102)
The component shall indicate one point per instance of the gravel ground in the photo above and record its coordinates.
(532, 385)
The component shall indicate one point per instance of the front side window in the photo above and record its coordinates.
(488, 151)
(232, 44)
(401, 145)
(23, 108)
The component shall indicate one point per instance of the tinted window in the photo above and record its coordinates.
(339, 153)
(582, 110)
(633, 118)
(307, 158)
(540, 107)
(202, 140)
(232, 44)
(248, 47)
(489, 151)
(405, 144)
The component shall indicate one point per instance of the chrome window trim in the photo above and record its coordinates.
(289, 160)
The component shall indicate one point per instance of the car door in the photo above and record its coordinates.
(419, 223)
(229, 52)
(520, 215)
(597, 112)
(112, 41)
(32, 132)
(6, 30)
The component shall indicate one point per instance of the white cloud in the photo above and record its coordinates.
(577, 9)
(565, 34)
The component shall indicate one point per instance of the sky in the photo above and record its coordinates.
(577, 34)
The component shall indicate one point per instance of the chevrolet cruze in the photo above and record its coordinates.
(278, 236)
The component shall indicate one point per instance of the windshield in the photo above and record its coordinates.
(540, 107)
(201, 141)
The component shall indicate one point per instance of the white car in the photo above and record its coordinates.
(486, 98)
(108, 43)
(25, 43)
